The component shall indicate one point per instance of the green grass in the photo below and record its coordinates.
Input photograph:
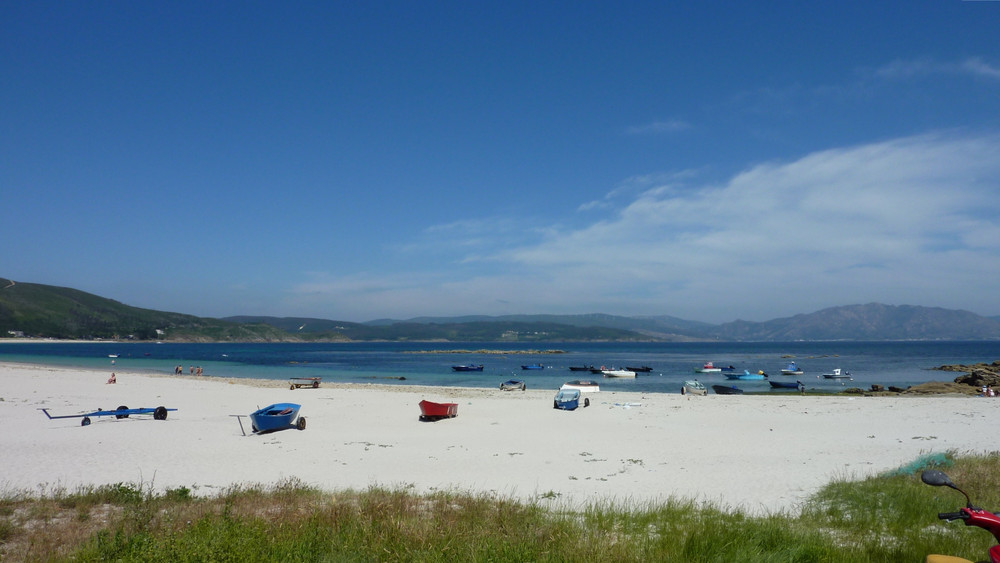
(886, 518)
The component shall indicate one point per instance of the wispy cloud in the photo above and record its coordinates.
(910, 220)
(975, 66)
(658, 127)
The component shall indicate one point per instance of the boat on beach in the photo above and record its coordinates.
(569, 399)
(709, 367)
(469, 367)
(792, 369)
(512, 384)
(693, 387)
(582, 386)
(278, 416)
(431, 411)
(838, 374)
(727, 390)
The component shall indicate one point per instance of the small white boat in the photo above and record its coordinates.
(709, 367)
(838, 374)
(693, 387)
(792, 369)
(618, 373)
(582, 386)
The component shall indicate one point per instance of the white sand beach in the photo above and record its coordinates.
(761, 453)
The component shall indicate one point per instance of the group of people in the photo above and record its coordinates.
(988, 391)
(179, 370)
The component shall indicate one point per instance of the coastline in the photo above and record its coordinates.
(761, 453)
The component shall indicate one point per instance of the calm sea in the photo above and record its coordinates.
(884, 363)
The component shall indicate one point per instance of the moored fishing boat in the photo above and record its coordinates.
(838, 374)
(469, 367)
(709, 367)
(791, 369)
(747, 376)
(640, 369)
(533, 366)
(787, 385)
(581, 368)
(618, 373)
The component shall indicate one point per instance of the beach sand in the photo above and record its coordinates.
(760, 453)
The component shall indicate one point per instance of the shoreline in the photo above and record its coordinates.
(760, 453)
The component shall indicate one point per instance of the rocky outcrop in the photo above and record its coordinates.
(976, 375)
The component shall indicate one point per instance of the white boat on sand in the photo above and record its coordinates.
(582, 386)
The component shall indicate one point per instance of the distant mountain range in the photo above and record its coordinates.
(56, 312)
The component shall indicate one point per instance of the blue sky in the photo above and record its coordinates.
(359, 160)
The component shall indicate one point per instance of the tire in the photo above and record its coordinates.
(501, 386)
(301, 423)
(524, 386)
(683, 391)
(586, 401)
(292, 387)
(555, 405)
(160, 413)
(315, 384)
(85, 421)
(121, 408)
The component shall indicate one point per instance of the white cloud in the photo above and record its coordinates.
(911, 220)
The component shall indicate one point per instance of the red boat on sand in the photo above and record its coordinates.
(436, 411)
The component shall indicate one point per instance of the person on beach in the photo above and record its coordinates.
(112, 379)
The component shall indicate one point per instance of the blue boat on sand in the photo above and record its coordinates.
(569, 399)
(278, 416)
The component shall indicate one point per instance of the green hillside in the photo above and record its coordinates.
(60, 312)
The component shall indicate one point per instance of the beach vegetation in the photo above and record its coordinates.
(890, 517)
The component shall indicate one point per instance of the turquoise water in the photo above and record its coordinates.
(884, 363)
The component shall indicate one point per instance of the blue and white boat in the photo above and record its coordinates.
(791, 369)
(533, 366)
(568, 400)
(747, 376)
(278, 416)
(468, 367)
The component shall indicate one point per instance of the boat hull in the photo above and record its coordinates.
(693, 388)
(618, 373)
(431, 411)
(467, 368)
(582, 386)
(726, 390)
(785, 384)
(278, 416)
